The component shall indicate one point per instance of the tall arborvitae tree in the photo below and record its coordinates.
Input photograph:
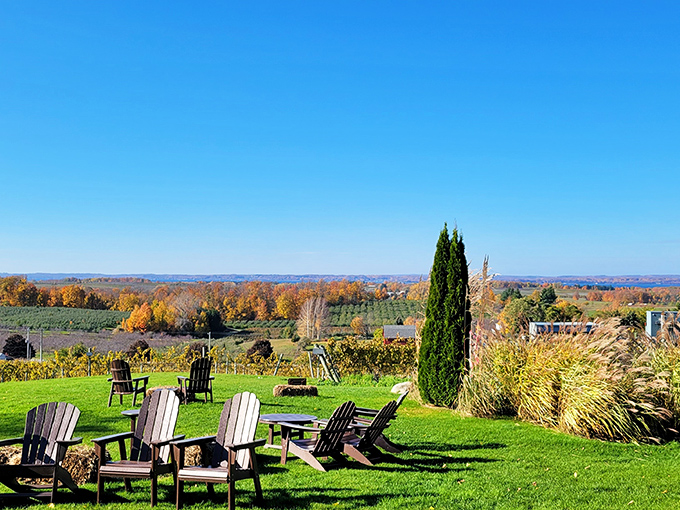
(445, 337)
(458, 316)
(434, 330)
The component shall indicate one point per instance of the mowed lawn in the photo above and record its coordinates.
(449, 461)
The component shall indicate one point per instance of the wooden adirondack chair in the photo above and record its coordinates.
(154, 427)
(233, 455)
(47, 435)
(325, 442)
(122, 382)
(199, 380)
(365, 416)
(363, 440)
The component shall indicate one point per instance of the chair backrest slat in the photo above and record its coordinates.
(45, 425)
(336, 427)
(199, 376)
(238, 424)
(157, 420)
(379, 423)
(122, 378)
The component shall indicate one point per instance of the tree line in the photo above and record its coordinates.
(200, 307)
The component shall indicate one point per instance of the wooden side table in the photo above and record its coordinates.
(285, 432)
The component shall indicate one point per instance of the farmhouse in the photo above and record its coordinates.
(398, 333)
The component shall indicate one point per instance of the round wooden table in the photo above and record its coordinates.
(277, 419)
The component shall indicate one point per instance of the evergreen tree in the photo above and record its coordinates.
(548, 296)
(445, 338)
(458, 314)
(434, 330)
(15, 347)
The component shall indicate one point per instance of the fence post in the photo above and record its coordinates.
(278, 363)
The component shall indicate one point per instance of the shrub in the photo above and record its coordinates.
(139, 347)
(195, 350)
(15, 347)
(261, 348)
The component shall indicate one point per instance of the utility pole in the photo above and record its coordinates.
(28, 344)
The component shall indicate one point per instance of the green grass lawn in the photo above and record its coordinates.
(449, 462)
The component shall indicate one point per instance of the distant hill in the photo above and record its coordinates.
(616, 281)
(277, 278)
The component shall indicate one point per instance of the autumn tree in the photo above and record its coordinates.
(141, 319)
(358, 326)
(73, 296)
(314, 315)
(17, 291)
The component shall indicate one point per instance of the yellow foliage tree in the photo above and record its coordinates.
(141, 319)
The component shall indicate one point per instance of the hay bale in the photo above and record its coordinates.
(80, 461)
(176, 389)
(287, 390)
(10, 455)
(193, 455)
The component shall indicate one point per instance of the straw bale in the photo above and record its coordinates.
(287, 390)
(80, 461)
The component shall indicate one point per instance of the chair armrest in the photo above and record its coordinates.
(243, 446)
(132, 413)
(142, 378)
(182, 378)
(163, 442)
(110, 439)
(14, 440)
(365, 411)
(110, 379)
(184, 443)
(69, 442)
(212, 378)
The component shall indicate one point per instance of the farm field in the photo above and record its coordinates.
(60, 318)
(449, 462)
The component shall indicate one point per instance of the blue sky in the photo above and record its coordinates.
(337, 138)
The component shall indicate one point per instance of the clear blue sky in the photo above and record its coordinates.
(338, 137)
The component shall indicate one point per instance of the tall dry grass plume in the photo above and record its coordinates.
(614, 383)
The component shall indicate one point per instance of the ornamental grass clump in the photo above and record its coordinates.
(613, 383)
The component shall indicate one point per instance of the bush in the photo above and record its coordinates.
(260, 348)
(137, 347)
(195, 350)
(15, 347)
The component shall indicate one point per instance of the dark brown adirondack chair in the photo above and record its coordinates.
(363, 415)
(47, 435)
(325, 442)
(122, 382)
(199, 380)
(233, 455)
(154, 427)
(360, 444)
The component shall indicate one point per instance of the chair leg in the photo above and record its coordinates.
(232, 494)
(100, 488)
(210, 488)
(111, 395)
(256, 476)
(387, 445)
(55, 486)
(353, 452)
(154, 490)
(179, 493)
